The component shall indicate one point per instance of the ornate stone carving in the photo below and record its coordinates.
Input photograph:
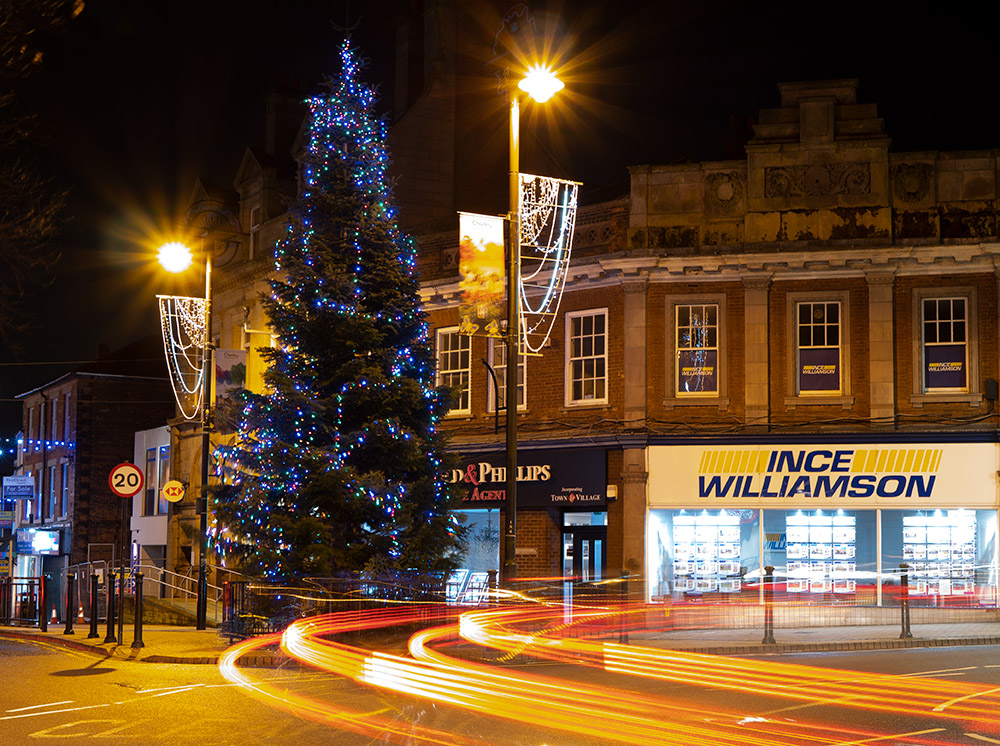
(724, 189)
(911, 182)
(818, 179)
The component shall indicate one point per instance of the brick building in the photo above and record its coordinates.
(796, 359)
(77, 428)
(788, 359)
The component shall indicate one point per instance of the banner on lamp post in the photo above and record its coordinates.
(481, 270)
(230, 372)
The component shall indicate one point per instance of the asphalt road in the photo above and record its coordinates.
(51, 693)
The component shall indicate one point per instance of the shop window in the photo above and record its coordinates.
(946, 352)
(498, 360)
(479, 565)
(586, 357)
(696, 351)
(818, 349)
(703, 553)
(823, 556)
(949, 556)
(454, 355)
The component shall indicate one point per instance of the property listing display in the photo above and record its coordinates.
(707, 553)
(940, 550)
(821, 553)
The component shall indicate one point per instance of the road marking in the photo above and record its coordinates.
(943, 670)
(56, 712)
(983, 738)
(950, 702)
(886, 738)
(35, 707)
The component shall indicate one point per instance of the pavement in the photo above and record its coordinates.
(186, 645)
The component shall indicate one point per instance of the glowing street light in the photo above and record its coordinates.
(177, 257)
(541, 84)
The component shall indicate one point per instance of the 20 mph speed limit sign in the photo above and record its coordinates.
(125, 480)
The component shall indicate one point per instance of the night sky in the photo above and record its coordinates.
(140, 98)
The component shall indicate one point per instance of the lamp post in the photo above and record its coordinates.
(176, 257)
(541, 84)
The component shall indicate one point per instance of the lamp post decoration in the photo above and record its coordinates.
(186, 324)
(537, 203)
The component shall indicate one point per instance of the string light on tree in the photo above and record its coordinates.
(339, 464)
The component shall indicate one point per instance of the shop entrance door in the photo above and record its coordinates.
(584, 556)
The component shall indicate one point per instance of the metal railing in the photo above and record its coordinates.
(22, 601)
(158, 582)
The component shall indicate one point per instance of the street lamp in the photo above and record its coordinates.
(177, 257)
(541, 84)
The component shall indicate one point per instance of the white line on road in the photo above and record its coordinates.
(950, 702)
(982, 738)
(35, 707)
(886, 738)
(943, 670)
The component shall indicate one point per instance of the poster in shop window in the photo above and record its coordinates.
(697, 372)
(819, 370)
(944, 367)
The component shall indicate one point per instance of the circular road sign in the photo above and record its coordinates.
(173, 491)
(125, 480)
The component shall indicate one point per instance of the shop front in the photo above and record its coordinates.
(561, 516)
(839, 523)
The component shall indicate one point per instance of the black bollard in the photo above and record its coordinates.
(70, 580)
(904, 601)
(110, 636)
(768, 606)
(93, 607)
(137, 635)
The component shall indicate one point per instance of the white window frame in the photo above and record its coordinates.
(570, 360)
(673, 397)
(64, 507)
(446, 375)
(793, 397)
(498, 361)
(53, 495)
(66, 428)
(54, 403)
(972, 394)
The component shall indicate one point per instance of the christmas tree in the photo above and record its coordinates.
(338, 465)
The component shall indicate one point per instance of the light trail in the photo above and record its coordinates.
(582, 709)
(502, 629)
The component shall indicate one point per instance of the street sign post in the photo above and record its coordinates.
(125, 480)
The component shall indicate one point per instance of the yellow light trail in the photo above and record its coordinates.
(619, 716)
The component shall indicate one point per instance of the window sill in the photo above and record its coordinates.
(697, 401)
(575, 406)
(974, 399)
(845, 402)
